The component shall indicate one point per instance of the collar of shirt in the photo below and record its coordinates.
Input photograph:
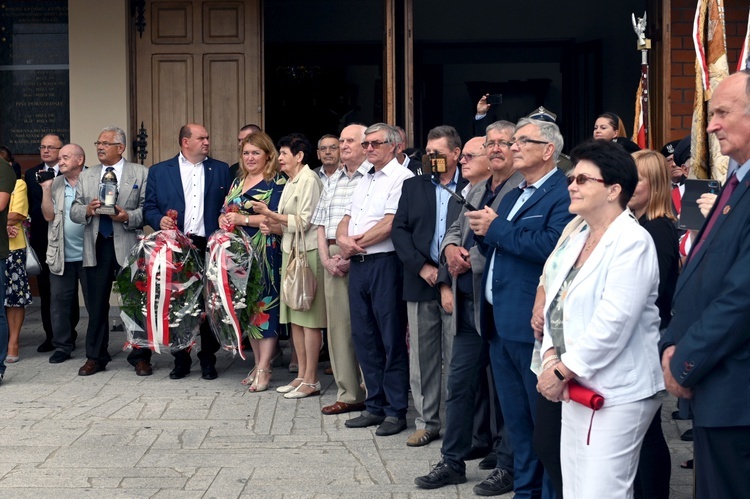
(185, 162)
(538, 183)
(740, 171)
(55, 167)
(387, 169)
(117, 168)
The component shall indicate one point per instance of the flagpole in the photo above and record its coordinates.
(644, 44)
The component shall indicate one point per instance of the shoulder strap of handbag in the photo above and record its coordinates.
(299, 235)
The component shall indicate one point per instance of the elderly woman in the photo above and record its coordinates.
(602, 327)
(259, 178)
(296, 207)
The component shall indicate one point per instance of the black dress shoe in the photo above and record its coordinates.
(178, 373)
(391, 426)
(687, 436)
(489, 462)
(364, 420)
(58, 357)
(45, 347)
(499, 482)
(440, 476)
(477, 453)
(209, 372)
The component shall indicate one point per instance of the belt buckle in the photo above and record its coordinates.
(360, 257)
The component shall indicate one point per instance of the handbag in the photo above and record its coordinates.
(33, 266)
(299, 285)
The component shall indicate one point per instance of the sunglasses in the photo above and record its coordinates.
(582, 179)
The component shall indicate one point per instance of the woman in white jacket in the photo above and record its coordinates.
(602, 327)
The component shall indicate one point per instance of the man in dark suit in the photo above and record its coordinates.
(425, 211)
(706, 348)
(107, 241)
(196, 186)
(517, 241)
(49, 150)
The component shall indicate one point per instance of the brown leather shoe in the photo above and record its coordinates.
(341, 408)
(89, 368)
(143, 368)
(421, 437)
(328, 371)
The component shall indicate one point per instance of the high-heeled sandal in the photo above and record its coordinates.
(298, 394)
(288, 388)
(250, 377)
(10, 359)
(257, 387)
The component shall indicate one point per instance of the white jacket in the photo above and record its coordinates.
(610, 320)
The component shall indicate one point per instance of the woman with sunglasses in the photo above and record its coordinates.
(601, 327)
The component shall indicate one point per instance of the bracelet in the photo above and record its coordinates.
(549, 360)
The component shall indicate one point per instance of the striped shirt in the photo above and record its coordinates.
(337, 194)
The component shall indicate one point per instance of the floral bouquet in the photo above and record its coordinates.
(232, 287)
(160, 288)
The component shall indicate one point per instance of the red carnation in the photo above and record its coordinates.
(172, 214)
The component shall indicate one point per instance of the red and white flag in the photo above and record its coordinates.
(710, 68)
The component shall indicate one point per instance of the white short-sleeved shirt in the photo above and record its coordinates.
(377, 195)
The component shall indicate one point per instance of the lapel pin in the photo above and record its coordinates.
(727, 209)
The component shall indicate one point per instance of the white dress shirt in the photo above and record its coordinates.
(193, 184)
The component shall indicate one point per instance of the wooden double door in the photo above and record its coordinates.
(198, 61)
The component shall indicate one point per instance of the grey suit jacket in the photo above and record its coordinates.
(458, 234)
(131, 195)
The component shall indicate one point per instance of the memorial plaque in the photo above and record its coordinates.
(34, 84)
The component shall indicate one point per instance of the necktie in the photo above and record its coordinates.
(105, 221)
(726, 193)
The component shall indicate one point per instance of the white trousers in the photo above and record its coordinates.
(606, 467)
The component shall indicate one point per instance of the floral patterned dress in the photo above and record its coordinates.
(266, 323)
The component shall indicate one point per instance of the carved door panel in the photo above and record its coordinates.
(198, 61)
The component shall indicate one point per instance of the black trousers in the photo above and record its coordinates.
(209, 344)
(654, 465)
(546, 441)
(43, 287)
(99, 281)
(722, 461)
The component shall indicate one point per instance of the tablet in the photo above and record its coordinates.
(691, 217)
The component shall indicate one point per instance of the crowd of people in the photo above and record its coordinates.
(547, 302)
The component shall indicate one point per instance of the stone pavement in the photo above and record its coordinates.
(114, 434)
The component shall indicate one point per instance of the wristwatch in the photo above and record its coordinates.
(560, 375)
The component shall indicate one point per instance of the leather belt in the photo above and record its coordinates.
(374, 256)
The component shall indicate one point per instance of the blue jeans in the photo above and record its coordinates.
(3, 319)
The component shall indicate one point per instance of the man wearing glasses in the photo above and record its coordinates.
(425, 211)
(517, 239)
(49, 151)
(328, 154)
(375, 282)
(107, 241)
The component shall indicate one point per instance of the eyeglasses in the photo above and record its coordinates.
(374, 143)
(582, 179)
(524, 140)
(48, 148)
(470, 157)
(106, 144)
(490, 144)
(328, 148)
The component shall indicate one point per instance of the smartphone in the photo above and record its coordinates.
(495, 99)
(691, 217)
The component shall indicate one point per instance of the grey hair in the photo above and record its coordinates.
(501, 126)
(549, 132)
(391, 134)
(78, 151)
(119, 134)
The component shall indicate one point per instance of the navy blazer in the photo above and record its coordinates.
(164, 191)
(521, 247)
(413, 230)
(711, 319)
